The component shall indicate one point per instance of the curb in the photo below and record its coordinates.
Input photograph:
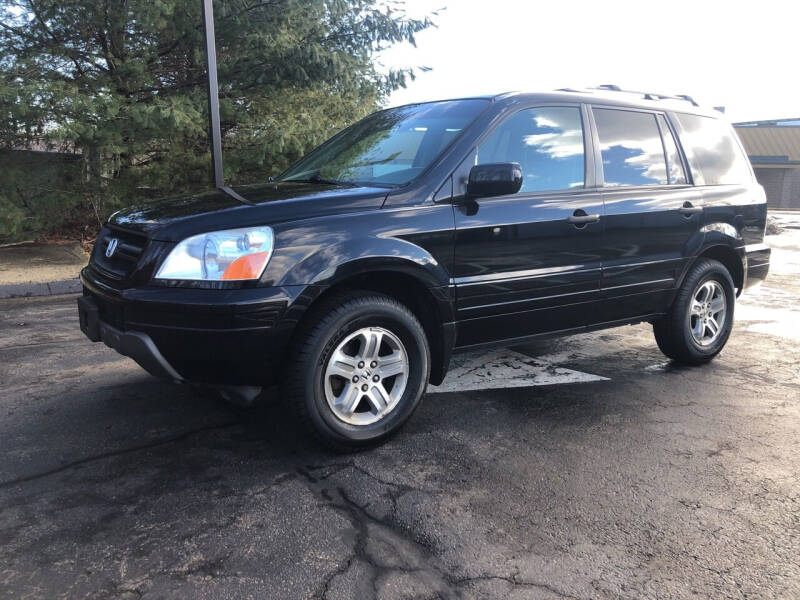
(50, 288)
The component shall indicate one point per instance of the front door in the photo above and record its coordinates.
(530, 263)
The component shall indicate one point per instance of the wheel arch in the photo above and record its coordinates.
(410, 284)
(731, 259)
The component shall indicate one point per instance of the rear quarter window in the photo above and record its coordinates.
(714, 154)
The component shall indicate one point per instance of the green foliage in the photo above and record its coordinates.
(122, 82)
(12, 219)
(39, 192)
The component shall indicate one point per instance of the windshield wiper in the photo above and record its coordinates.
(317, 178)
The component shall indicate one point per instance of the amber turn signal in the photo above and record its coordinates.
(249, 266)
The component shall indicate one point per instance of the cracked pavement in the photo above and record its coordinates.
(658, 481)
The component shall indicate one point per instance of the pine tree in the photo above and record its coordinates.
(123, 83)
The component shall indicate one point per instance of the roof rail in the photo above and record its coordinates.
(610, 87)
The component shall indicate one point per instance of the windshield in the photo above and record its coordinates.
(390, 147)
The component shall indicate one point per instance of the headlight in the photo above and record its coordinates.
(231, 255)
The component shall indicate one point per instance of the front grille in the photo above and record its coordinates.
(122, 262)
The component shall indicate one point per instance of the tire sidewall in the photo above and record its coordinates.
(354, 316)
(708, 272)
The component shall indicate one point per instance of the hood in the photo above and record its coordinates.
(173, 219)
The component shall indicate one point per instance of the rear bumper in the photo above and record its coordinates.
(756, 264)
(222, 337)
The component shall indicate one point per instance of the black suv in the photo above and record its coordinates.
(432, 228)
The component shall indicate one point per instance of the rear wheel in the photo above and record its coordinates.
(698, 324)
(358, 370)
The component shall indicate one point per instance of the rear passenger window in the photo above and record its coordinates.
(630, 146)
(674, 164)
(547, 142)
(715, 156)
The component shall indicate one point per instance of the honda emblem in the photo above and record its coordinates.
(112, 247)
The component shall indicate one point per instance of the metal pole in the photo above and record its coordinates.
(214, 132)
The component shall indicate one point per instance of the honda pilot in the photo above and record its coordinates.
(433, 228)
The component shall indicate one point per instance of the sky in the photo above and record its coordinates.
(740, 55)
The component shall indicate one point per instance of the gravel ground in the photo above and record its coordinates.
(637, 478)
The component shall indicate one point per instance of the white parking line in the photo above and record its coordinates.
(496, 369)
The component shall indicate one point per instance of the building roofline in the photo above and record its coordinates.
(789, 122)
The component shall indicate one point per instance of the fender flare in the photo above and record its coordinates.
(332, 263)
(718, 239)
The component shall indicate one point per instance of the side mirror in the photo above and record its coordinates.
(494, 179)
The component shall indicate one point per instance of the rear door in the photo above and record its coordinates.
(652, 212)
(530, 262)
(733, 200)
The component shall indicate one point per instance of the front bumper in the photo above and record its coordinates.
(756, 264)
(220, 337)
(134, 344)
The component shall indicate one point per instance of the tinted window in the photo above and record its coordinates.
(547, 142)
(389, 147)
(630, 145)
(674, 164)
(715, 155)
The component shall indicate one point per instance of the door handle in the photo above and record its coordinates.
(579, 217)
(688, 210)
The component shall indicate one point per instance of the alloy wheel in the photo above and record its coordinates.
(708, 312)
(366, 375)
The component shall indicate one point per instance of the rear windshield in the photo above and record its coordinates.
(714, 154)
(390, 147)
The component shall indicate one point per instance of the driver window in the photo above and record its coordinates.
(547, 142)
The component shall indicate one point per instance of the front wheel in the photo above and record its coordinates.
(700, 319)
(358, 370)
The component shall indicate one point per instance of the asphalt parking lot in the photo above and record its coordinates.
(598, 470)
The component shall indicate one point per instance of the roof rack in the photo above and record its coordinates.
(609, 87)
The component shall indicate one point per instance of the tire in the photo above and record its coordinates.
(690, 338)
(328, 354)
